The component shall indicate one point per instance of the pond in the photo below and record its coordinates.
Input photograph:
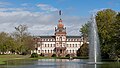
(57, 63)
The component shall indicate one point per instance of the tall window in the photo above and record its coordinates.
(48, 45)
(70, 45)
(51, 51)
(76, 45)
(45, 45)
(45, 51)
(48, 51)
(60, 38)
(51, 45)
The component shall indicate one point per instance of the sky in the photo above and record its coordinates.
(41, 16)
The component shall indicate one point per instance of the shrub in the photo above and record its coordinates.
(68, 55)
(54, 55)
(34, 55)
(83, 50)
(24, 53)
(41, 54)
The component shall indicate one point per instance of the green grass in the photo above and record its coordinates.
(4, 58)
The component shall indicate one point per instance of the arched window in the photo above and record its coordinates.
(45, 45)
(76, 45)
(60, 39)
(70, 45)
(70, 51)
(48, 45)
(51, 51)
(48, 51)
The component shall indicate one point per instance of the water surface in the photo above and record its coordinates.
(58, 63)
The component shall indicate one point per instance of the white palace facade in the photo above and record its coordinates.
(59, 44)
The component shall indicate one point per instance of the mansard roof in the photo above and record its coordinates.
(46, 36)
(73, 36)
(54, 36)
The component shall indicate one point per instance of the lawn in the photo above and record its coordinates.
(11, 57)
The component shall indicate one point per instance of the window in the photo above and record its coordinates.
(45, 45)
(71, 39)
(68, 39)
(51, 51)
(38, 51)
(76, 45)
(51, 45)
(48, 51)
(67, 45)
(48, 45)
(45, 51)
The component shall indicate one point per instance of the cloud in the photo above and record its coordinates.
(96, 10)
(39, 23)
(4, 4)
(11, 9)
(46, 7)
(25, 4)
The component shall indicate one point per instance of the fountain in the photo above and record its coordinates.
(94, 46)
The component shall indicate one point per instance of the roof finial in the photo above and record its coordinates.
(60, 12)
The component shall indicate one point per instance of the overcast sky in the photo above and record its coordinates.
(41, 16)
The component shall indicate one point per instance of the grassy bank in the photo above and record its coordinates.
(4, 58)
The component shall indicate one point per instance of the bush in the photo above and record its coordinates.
(34, 55)
(24, 53)
(54, 55)
(41, 54)
(83, 50)
(68, 55)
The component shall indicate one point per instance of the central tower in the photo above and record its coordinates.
(60, 38)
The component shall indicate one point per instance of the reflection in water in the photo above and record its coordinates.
(58, 63)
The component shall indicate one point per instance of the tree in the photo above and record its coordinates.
(105, 20)
(83, 50)
(6, 42)
(116, 36)
(84, 31)
(23, 39)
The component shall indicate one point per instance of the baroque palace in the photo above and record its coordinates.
(59, 44)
